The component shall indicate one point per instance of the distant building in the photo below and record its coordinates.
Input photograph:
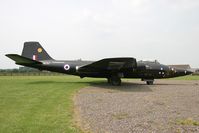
(186, 67)
(181, 66)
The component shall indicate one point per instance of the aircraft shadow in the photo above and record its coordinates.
(45, 82)
(105, 84)
(126, 86)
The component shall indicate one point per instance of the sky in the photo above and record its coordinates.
(163, 30)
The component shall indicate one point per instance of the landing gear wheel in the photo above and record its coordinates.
(149, 82)
(116, 81)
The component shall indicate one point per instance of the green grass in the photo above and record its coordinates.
(189, 77)
(120, 116)
(38, 103)
(188, 121)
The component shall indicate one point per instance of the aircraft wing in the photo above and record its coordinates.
(110, 64)
(22, 60)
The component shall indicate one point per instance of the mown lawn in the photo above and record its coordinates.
(38, 103)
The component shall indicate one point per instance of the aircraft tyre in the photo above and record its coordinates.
(115, 81)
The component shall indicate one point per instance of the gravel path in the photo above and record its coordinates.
(167, 106)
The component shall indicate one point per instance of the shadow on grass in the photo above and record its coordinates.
(126, 86)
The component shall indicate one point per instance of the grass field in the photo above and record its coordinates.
(38, 103)
(41, 103)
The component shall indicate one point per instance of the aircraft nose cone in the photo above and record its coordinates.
(189, 72)
(182, 72)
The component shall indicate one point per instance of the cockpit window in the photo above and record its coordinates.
(155, 61)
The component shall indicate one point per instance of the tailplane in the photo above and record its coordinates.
(34, 51)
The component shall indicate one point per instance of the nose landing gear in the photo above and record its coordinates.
(148, 81)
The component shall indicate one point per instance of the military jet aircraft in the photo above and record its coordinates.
(35, 56)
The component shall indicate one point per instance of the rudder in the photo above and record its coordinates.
(34, 51)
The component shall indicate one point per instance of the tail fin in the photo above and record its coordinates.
(34, 51)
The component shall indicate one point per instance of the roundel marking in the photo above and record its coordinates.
(66, 67)
(39, 50)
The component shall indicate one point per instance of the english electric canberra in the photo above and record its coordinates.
(35, 56)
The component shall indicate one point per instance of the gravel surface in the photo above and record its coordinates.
(168, 106)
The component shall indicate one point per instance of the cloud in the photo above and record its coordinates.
(133, 6)
(182, 4)
(114, 27)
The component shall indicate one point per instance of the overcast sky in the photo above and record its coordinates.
(166, 30)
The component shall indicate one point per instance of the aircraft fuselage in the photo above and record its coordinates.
(144, 70)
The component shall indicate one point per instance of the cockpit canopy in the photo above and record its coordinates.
(153, 62)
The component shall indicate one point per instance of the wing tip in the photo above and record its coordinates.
(7, 55)
(10, 54)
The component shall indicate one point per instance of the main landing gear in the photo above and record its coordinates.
(114, 80)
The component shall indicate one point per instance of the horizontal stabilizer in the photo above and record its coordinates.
(22, 60)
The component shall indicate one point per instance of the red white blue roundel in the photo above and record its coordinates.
(66, 67)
